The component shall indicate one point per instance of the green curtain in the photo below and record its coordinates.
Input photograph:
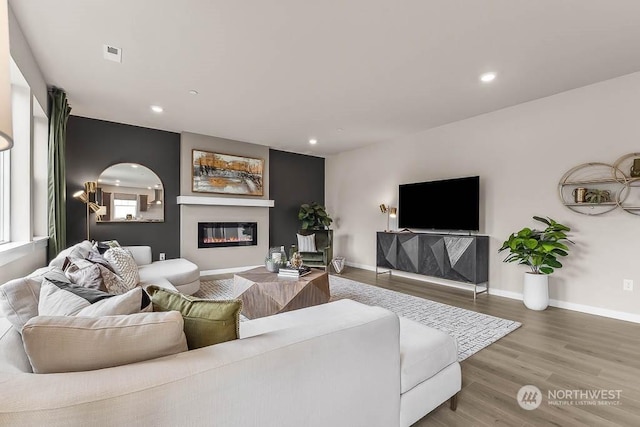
(59, 111)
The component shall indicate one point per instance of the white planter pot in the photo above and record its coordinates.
(536, 291)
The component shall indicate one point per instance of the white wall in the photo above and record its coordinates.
(23, 57)
(520, 153)
(35, 257)
(28, 160)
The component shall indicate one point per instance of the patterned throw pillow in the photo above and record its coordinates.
(307, 243)
(112, 282)
(124, 265)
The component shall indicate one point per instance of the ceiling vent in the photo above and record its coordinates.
(112, 53)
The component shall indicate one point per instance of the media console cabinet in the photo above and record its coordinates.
(461, 258)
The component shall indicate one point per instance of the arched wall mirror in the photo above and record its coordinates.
(129, 192)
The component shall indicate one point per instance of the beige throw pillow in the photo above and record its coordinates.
(71, 344)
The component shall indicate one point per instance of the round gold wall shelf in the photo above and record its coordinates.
(629, 196)
(591, 188)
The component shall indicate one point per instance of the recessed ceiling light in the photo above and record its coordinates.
(487, 77)
(148, 188)
(117, 180)
(193, 92)
(313, 141)
(133, 165)
(157, 109)
(117, 184)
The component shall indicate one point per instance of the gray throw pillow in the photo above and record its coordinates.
(85, 273)
(68, 299)
(80, 250)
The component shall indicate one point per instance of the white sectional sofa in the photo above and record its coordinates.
(337, 364)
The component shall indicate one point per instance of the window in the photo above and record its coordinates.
(4, 196)
(122, 208)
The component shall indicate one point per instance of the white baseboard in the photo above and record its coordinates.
(226, 270)
(604, 312)
(588, 309)
(505, 294)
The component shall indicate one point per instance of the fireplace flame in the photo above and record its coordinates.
(226, 239)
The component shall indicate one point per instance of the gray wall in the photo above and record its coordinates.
(92, 146)
(294, 179)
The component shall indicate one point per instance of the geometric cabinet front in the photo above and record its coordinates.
(447, 256)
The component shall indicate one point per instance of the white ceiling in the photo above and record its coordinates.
(347, 72)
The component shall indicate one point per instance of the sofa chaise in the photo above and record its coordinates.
(178, 273)
(175, 274)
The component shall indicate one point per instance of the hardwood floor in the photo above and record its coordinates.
(554, 349)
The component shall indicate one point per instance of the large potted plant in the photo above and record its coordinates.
(314, 216)
(540, 250)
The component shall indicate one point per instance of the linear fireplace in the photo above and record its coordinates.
(222, 234)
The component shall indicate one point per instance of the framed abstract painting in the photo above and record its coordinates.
(226, 173)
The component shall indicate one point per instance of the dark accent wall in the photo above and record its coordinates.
(294, 179)
(92, 146)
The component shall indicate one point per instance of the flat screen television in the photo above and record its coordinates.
(450, 204)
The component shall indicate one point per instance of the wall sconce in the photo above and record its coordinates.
(85, 197)
(390, 211)
(6, 125)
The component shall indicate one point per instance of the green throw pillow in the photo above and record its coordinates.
(206, 322)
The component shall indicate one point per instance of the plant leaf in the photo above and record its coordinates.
(540, 219)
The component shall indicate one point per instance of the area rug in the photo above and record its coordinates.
(474, 331)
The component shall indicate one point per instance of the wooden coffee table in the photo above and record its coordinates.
(264, 293)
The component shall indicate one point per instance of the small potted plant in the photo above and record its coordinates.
(597, 196)
(314, 216)
(540, 250)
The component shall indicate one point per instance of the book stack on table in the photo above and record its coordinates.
(294, 272)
